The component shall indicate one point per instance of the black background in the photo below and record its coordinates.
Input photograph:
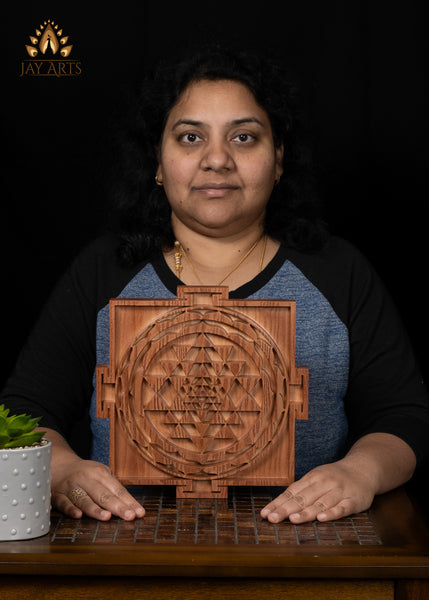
(361, 66)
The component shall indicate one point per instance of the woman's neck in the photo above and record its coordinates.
(231, 260)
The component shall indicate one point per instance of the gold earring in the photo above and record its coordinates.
(158, 182)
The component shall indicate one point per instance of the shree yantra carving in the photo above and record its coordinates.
(202, 391)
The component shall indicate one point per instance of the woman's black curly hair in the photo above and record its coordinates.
(140, 213)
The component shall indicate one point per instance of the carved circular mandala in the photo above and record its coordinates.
(202, 391)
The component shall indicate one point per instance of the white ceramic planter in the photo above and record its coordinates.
(25, 492)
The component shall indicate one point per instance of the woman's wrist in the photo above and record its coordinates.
(385, 460)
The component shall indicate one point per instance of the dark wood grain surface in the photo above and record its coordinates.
(228, 538)
(210, 549)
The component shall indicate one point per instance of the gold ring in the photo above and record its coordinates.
(77, 493)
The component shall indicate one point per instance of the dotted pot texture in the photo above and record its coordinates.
(25, 492)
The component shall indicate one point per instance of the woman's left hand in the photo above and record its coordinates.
(325, 493)
(376, 463)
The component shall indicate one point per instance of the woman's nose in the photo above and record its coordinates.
(217, 156)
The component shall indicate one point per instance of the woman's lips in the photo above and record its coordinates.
(215, 190)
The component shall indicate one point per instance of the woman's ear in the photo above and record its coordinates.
(158, 160)
(279, 162)
(158, 175)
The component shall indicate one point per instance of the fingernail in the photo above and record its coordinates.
(274, 517)
(295, 516)
(105, 515)
(129, 514)
(265, 512)
(140, 511)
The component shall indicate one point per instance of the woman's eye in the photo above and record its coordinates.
(244, 138)
(190, 138)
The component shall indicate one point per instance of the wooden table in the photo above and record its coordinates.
(223, 549)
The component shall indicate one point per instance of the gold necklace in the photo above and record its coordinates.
(179, 250)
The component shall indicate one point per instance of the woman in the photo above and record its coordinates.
(216, 190)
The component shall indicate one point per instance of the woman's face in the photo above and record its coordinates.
(217, 159)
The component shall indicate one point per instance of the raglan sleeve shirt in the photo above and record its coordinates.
(53, 376)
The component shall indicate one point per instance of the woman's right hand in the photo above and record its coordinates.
(87, 487)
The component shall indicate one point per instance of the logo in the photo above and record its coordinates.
(49, 52)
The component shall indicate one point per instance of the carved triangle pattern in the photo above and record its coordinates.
(204, 391)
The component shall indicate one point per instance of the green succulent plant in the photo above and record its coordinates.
(17, 430)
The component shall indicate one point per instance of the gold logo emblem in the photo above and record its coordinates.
(49, 52)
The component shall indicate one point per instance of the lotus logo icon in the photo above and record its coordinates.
(48, 50)
(49, 37)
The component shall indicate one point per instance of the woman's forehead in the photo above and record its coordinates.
(223, 100)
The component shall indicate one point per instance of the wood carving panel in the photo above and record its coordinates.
(202, 392)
